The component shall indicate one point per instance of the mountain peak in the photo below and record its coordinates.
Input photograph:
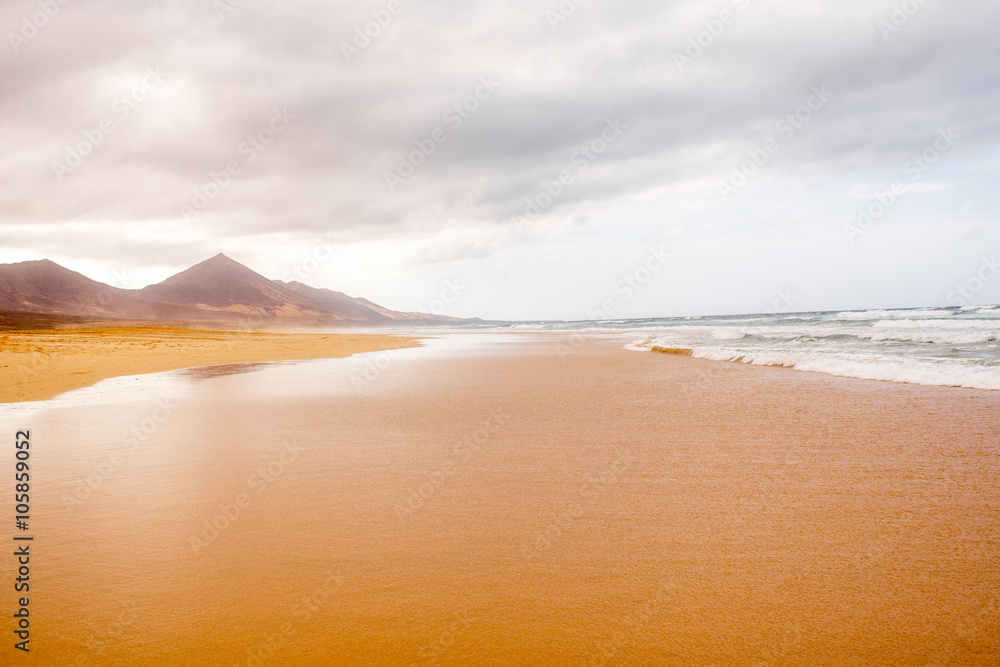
(220, 259)
(215, 270)
(222, 283)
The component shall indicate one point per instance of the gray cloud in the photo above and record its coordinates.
(353, 121)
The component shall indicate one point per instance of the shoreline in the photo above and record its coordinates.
(603, 504)
(37, 364)
(689, 353)
(41, 364)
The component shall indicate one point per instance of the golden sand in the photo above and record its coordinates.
(516, 507)
(40, 364)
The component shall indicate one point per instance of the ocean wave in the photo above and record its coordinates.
(935, 346)
(727, 334)
(893, 314)
(909, 371)
(952, 324)
(903, 354)
(903, 370)
(918, 331)
(934, 337)
(530, 327)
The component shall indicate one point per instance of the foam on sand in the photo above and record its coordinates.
(942, 346)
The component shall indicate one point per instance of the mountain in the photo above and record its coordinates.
(217, 290)
(338, 302)
(45, 287)
(223, 285)
(359, 309)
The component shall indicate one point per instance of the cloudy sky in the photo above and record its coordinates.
(536, 158)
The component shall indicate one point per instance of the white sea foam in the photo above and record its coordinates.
(723, 334)
(905, 370)
(891, 314)
(943, 346)
(938, 337)
(938, 324)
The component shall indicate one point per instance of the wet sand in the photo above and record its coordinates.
(512, 506)
(40, 364)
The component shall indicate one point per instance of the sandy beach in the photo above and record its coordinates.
(40, 364)
(491, 501)
(639, 334)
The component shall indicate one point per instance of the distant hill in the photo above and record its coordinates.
(45, 287)
(216, 290)
(360, 310)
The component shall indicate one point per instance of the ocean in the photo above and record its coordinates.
(957, 347)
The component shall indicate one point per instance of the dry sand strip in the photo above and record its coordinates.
(36, 365)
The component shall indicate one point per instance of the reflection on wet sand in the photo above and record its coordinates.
(206, 372)
(515, 508)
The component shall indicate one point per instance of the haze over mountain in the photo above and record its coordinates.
(216, 290)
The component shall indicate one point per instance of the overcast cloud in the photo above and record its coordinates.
(119, 121)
